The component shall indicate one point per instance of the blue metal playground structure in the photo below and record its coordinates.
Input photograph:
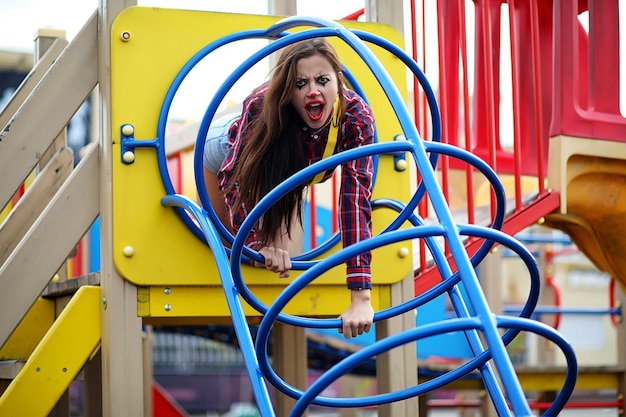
(474, 319)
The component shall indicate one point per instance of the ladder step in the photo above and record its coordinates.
(70, 286)
(10, 368)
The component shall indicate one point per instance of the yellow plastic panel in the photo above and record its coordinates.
(191, 301)
(30, 331)
(71, 341)
(164, 252)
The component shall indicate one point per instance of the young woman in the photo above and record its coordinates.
(285, 126)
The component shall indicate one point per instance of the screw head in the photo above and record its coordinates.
(128, 251)
(129, 156)
(128, 130)
(401, 164)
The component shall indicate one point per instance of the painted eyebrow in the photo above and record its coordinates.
(301, 77)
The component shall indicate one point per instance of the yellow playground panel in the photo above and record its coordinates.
(153, 248)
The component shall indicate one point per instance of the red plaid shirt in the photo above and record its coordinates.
(356, 129)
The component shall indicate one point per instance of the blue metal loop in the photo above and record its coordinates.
(229, 82)
(210, 229)
(212, 109)
(403, 216)
(273, 313)
(312, 394)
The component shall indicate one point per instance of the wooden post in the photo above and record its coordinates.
(122, 363)
(148, 336)
(43, 41)
(93, 386)
(290, 362)
(390, 12)
(397, 369)
(282, 7)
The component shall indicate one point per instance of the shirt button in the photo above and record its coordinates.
(314, 136)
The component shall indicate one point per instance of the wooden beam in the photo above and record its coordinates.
(37, 196)
(30, 82)
(47, 111)
(44, 248)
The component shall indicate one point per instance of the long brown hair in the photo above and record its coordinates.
(274, 149)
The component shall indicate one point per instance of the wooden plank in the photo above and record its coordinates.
(52, 104)
(37, 196)
(70, 286)
(45, 247)
(30, 82)
(10, 368)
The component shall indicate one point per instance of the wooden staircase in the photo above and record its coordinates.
(47, 366)
(50, 329)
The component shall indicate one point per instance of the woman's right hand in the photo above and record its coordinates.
(276, 260)
(358, 318)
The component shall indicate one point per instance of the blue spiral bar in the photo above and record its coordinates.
(300, 177)
(476, 296)
(582, 311)
(210, 113)
(162, 122)
(431, 329)
(572, 364)
(210, 229)
(217, 99)
(381, 240)
(234, 304)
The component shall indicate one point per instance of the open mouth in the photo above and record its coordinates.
(315, 110)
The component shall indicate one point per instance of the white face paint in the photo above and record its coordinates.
(316, 90)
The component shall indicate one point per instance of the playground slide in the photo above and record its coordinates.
(593, 208)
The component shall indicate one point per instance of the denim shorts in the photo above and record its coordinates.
(217, 142)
